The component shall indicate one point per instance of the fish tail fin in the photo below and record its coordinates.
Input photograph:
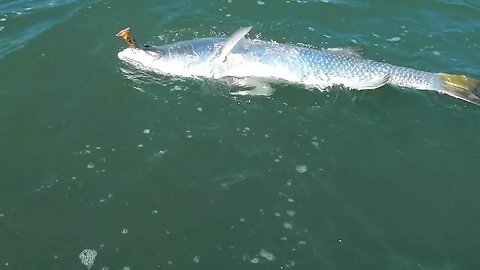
(462, 87)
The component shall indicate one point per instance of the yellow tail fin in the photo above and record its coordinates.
(462, 87)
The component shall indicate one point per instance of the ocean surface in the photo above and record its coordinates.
(140, 171)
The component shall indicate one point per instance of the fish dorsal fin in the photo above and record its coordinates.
(347, 51)
(232, 41)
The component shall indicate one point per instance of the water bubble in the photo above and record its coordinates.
(87, 257)
(125, 231)
(196, 259)
(311, 29)
(3, 19)
(288, 226)
(301, 168)
(160, 153)
(394, 39)
(91, 165)
(199, 109)
(146, 131)
(291, 213)
(261, 3)
(255, 260)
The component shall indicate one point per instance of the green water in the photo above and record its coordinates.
(161, 173)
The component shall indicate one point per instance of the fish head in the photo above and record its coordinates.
(138, 55)
(147, 58)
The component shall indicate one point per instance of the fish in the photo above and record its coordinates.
(255, 65)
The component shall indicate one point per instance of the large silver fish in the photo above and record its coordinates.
(255, 64)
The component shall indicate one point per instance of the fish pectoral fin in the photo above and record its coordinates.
(370, 83)
(347, 51)
(232, 41)
(256, 87)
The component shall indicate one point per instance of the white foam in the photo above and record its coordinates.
(301, 168)
(290, 264)
(267, 255)
(196, 259)
(87, 257)
(394, 39)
